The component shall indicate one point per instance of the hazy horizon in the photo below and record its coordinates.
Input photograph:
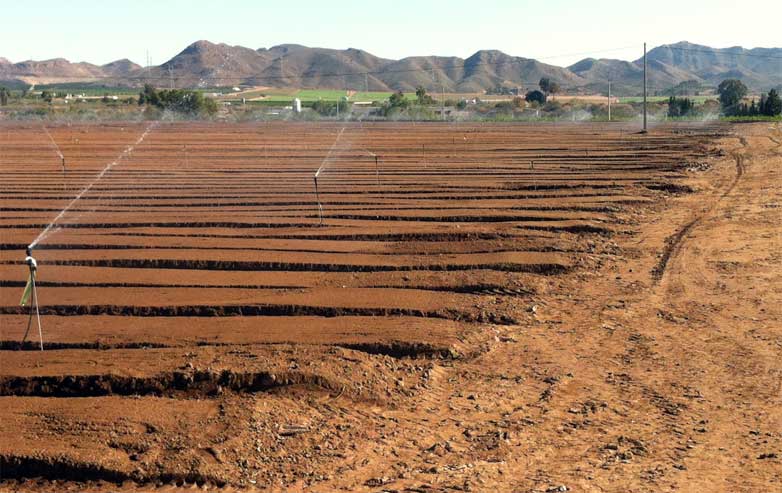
(558, 32)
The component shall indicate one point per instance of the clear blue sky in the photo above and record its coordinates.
(103, 31)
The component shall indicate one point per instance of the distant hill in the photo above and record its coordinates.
(60, 70)
(206, 64)
(713, 66)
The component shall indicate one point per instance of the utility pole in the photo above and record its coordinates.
(609, 100)
(644, 87)
(170, 76)
(442, 100)
(442, 92)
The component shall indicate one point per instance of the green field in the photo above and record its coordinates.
(312, 95)
(334, 95)
(663, 99)
(87, 90)
(378, 96)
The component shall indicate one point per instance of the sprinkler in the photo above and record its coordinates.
(377, 164)
(534, 181)
(317, 198)
(30, 294)
(322, 166)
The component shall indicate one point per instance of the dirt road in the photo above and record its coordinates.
(625, 383)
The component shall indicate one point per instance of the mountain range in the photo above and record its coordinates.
(206, 64)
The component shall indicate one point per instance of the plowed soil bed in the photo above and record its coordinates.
(206, 320)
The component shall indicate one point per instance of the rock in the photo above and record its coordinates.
(290, 430)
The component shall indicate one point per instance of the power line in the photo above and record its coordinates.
(722, 52)
(584, 53)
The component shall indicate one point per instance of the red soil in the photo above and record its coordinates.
(490, 307)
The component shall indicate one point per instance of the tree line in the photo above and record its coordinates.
(732, 93)
(679, 107)
(178, 100)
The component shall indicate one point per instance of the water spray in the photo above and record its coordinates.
(58, 152)
(321, 168)
(54, 145)
(30, 294)
(86, 189)
(534, 180)
(377, 164)
(317, 198)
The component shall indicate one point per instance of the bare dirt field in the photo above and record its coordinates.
(484, 307)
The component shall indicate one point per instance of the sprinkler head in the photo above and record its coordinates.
(29, 251)
(31, 263)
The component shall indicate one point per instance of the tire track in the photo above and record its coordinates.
(674, 243)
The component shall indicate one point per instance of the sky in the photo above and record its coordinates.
(559, 32)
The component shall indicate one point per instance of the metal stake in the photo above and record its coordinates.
(317, 197)
(34, 305)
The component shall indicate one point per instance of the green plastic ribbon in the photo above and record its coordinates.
(28, 290)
